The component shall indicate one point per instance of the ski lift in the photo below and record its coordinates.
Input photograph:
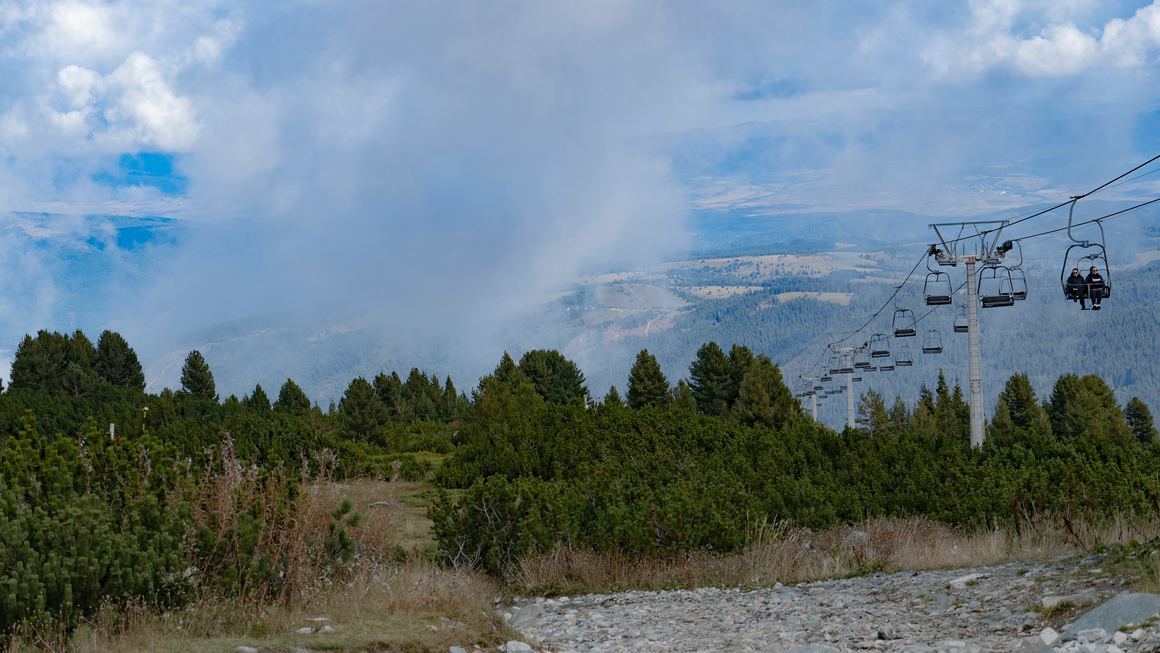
(902, 357)
(819, 388)
(904, 323)
(886, 366)
(879, 345)
(1018, 277)
(961, 321)
(859, 362)
(845, 366)
(932, 343)
(835, 365)
(937, 288)
(825, 378)
(1018, 284)
(856, 379)
(1097, 252)
(995, 287)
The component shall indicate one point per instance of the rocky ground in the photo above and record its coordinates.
(1061, 606)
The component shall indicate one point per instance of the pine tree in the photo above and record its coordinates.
(763, 397)
(683, 399)
(116, 362)
(1020, 399)
(556, 379)
(451, 400)
(389, 388)
(40, 362)
(872, 414)
(613, 398)
(647, 384)
(258, 400)
(291, 398)
(417, 395)
(361, 411)
(507, 372)
(899, 415)
(1140, 420)
(711, 379)
(196, 377)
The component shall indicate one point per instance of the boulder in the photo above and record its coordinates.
(1122, 610)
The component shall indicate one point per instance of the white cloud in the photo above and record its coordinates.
(80, 31)
(990, 40)
(144, 105)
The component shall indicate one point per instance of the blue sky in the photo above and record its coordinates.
(437, 159)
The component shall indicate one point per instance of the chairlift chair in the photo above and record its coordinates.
(819, 388)
(903, 323)
(995, 287)
(886, 366)
(1018, 284)
(961, 320)
(932, 343)
(860, 363)
(856, 379)
(937, 288)
(902, 357)
(879, 345)
(1097, 252)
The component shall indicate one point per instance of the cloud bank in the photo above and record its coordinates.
(435, 168)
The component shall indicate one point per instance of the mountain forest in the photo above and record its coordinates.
(112, 496)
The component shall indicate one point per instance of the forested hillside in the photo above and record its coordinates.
(110, 495)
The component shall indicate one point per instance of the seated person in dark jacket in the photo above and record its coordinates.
(1076, 288)
(1095, 286)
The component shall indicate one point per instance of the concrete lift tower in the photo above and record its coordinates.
(972, 243)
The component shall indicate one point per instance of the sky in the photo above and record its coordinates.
(437, 166)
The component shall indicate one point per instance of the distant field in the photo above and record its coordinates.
(765, 268)
(720, 292)
(842, 298)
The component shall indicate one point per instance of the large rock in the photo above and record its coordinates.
(1123, 610)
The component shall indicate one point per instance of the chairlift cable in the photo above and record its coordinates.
(1093, 191)
(909, 275)
(1108, 216)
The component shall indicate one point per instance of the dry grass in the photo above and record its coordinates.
(415, 606)
(387, 598)
(786, 554)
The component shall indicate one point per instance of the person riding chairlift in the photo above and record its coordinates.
(1095, 287)
(1077, 290)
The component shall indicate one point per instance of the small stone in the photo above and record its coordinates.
(456, 649)
(1049, 636)
(1112, 648)
(1138, 634)
(1092, 636)
(305, 630)
(1119, 637)
(319, 619)
(326, 629)
(514, 646)
(962, 581)
(246, 649)
(1034, 645)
